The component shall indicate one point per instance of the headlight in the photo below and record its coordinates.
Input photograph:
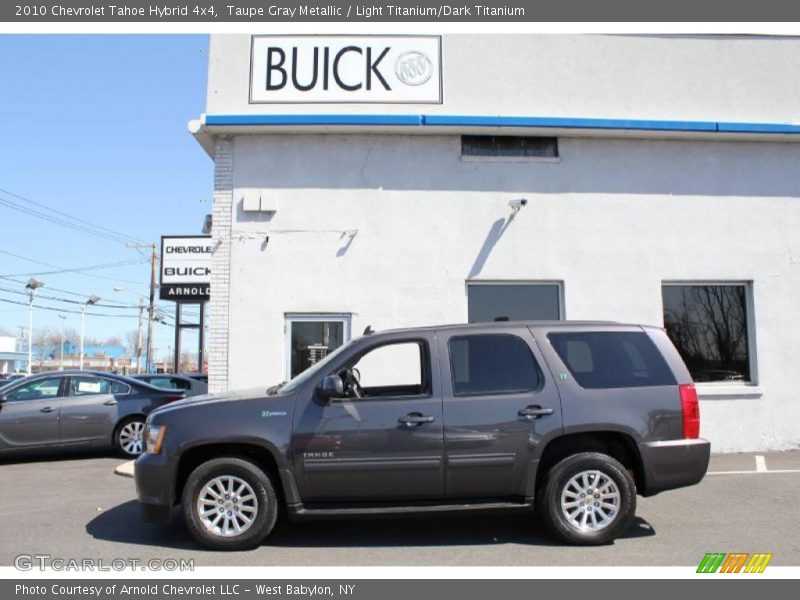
(153, 436)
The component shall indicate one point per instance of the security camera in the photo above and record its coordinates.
(517, 204)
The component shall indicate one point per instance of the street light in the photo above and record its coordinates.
(92, 300)
(61, 363)
(32, 285)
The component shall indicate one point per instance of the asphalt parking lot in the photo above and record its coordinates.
(76, 507)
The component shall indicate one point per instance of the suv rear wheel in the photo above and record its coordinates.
(229, 504)
(588, 498)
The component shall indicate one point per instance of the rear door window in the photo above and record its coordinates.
(82, 385)
(90, 386)
(492, 364)
(612, 359)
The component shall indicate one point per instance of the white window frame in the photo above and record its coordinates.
(562, 310)
(728, 388)
(289, 318)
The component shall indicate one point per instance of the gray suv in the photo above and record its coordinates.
(570, 418)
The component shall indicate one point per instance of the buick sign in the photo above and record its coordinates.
(341, 69)
(185, 268)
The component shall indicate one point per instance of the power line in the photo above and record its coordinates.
(55, 289)
(58, 221)
(87, 226)
(55, 298)
(64, 270)
(121, 263)
(74, 312)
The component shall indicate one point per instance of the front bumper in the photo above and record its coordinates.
(673, 464)
(155, 487)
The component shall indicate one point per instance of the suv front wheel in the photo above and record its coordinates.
(589, 498)
(229, 504)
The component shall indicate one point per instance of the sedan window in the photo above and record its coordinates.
(170, 383)
(119, 388)
(36, 390)
(88, 386)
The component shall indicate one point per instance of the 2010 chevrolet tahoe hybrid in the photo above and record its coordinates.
(570, 418)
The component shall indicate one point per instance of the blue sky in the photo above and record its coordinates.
(95, 127)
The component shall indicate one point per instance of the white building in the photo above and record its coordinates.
(661, 176)
(10, 359)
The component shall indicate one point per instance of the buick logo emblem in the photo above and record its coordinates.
(413, 68)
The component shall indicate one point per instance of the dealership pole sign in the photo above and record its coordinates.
(299, 69)
(185, 268)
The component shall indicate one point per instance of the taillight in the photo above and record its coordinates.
(174, 397)
(691, 411)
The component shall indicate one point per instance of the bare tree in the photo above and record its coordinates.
(46, 344)
(131, 343)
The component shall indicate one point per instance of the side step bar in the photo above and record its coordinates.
(320, 511)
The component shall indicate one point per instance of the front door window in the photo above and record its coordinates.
(36, 390)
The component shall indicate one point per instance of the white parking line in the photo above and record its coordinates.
(761, 463)
(753, 472)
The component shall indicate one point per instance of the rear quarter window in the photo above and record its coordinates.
(613, 359)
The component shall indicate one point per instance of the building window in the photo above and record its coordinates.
(513, 301)
(509, 147)
(311, 337)
(492, 364)
(708, 323)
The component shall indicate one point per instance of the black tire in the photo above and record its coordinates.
(122, 441)
(619, 519)
(266, 504)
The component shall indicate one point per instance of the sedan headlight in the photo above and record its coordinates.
(153, 437)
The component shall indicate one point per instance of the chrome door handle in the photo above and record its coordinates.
(415, 419)
(47, 409)
(111, 402)
(534, 412)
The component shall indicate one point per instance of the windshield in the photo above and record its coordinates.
(312, 371)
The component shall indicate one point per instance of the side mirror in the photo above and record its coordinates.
(331, 387)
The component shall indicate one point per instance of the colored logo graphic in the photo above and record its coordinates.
(737, 562)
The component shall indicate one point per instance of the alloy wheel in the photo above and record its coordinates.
(131, 438)
(590, 500)
(227, 506)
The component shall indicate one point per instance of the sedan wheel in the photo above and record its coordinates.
(130, 438)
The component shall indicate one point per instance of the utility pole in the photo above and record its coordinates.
(62, 318)
(151, 309)
(91, 301)
(22, 339)
(32, 286)
(138, 349)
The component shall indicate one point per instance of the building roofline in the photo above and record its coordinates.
(207, 126)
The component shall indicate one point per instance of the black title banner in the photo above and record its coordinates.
(249, 589)
(264, 11)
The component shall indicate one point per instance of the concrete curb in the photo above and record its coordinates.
(125, 469)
